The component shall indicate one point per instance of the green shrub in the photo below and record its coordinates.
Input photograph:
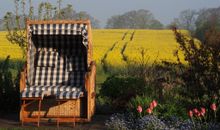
(172, 108)
(9, 85)
(119, 90)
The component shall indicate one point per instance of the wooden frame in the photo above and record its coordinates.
(85, 105)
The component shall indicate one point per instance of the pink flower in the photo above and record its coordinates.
(139, 109)
(196, 112)
(213, 106)
(149, 110)
(203, 111)
(190, 113)
(151, 106)
(154, 103)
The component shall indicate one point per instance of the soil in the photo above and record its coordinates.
(11, 121)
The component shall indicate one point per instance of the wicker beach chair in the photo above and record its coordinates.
(58, 81)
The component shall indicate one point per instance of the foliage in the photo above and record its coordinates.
(207, 18)
(9, 87)
(186, 20)
(203, 66)
(119, 90)
(171, 109)
(140, 19)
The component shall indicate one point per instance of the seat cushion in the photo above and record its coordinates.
(33, 94)
(69, 95)
(53, 90)
(75, 63)
(46, 58)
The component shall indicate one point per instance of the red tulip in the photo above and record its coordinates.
(213, 106)
(190, 113)
(149, 110)
(203, 111)
(139, 109)
(151, 106)
(195, 111)
(154, 103)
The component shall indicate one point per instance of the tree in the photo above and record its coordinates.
(201, 76)
(140, 19)
(66, 13)
(207, 18)
(84, 15)
(186, 20)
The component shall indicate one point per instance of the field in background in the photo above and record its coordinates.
(115, 47)
(6, 48)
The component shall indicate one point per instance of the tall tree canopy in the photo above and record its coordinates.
(186, 20)
(207, 18)
(140, 19)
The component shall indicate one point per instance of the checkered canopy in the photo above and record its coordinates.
(57, 58)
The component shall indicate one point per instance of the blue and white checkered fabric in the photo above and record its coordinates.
(57, 59)
(34, 93)
(69, 95)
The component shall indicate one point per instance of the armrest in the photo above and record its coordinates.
(90, 87)
(23, 76)
(91, 77)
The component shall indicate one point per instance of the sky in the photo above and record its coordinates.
(163, 10)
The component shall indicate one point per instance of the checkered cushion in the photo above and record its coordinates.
(46, 58)
(33, 93)
(75, 63)
(53, 90)
(58, 58)
(69, 95)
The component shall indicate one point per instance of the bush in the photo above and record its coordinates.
(119, 90)
(9, 85)
(169, 109)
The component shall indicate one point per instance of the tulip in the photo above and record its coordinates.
(149, 110)
(154, 103)
(139, 109)
(195, 111)
(213, 106)
(151, 106)
(190, 113)
(203, 111)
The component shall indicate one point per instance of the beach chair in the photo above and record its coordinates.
(57, 83)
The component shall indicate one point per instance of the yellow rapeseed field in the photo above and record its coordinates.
(113, 45)
(8, 49)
